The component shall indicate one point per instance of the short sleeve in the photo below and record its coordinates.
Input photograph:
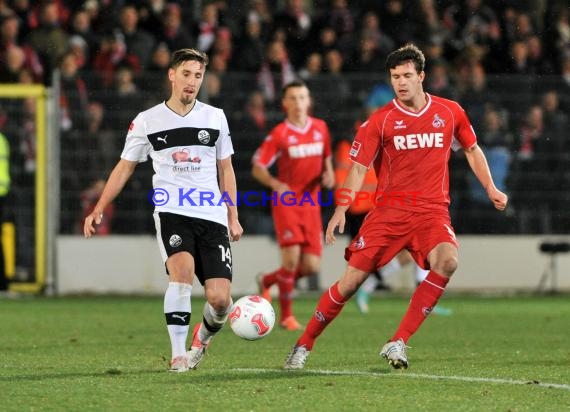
(224, 146)
(137, 146)
(463, 133)
(366, 144)
(268, 152)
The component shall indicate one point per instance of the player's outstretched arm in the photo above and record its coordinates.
(119, 176)
(228, 185)
(478, 164)
(351, 186)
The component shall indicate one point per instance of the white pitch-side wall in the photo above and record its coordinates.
(132, 265)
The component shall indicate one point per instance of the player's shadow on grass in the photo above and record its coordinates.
(107, 374)
(209, 375)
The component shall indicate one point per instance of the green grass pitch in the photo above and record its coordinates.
(111, 353)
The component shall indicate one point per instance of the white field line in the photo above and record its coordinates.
(501, 381)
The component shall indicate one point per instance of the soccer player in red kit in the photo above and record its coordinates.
(301, 145)
(408, 141)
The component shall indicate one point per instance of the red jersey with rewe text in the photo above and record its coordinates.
(299, 153)
(410, 152)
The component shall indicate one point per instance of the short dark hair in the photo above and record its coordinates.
(408, 52)
(184, 55)
(291, 84)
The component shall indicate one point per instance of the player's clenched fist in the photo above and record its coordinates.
(499, 199)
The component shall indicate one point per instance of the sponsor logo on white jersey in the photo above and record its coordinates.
(203, 136)
(418, 141)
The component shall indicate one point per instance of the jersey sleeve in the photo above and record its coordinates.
(366, 143)
(224, 146)
(137, 146)
(268, 152)
(463, 134)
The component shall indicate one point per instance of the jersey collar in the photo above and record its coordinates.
(297, 129)
(409, 112)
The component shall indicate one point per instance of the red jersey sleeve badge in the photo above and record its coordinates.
(354, 149)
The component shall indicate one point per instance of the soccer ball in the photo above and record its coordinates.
(252, 317)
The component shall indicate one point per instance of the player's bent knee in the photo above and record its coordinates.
(218, 304)
(446, 266)
(351, 281)
(219, 301)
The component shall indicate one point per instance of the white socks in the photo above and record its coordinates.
(212, 322)
(177, 310)
(370, 284)
(387, 270)
(391, 267)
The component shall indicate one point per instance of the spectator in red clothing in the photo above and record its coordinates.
(207, 26)
(89, 198)
(223, 46)
(10, 36)
(275, 72)
(112, 53)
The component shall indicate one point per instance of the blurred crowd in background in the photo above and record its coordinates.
(506, 62)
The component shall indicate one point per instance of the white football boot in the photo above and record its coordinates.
(395, 353)
(297, 357)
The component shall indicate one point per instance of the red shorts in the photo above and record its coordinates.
(386, 231)
(299, 226)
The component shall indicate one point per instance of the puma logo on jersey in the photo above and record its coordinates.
(306, 150)
(162, 139)
(418, 141)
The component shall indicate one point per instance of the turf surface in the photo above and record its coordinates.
(111, 353)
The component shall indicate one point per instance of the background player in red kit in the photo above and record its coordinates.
(409, 141)
(302, 148)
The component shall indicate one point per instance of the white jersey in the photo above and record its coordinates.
(184, 151)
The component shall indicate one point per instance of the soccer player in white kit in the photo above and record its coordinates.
(196, 217)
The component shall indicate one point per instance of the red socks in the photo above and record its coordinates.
(328, 308)
(286, 282)
(422, 303)
(270, 279)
